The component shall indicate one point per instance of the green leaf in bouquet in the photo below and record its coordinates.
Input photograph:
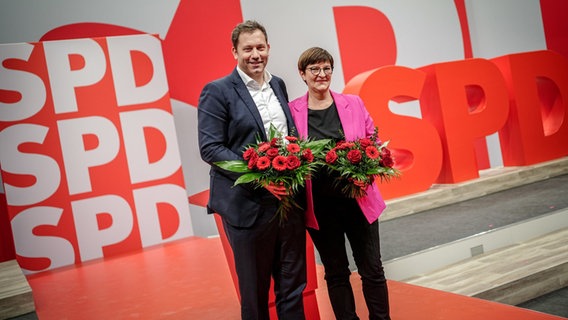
(317, 146)
(248, 177)
(238, 166)
(272, 133)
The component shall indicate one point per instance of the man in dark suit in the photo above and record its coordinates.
(232, 112)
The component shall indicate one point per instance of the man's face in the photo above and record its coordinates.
(252, 54)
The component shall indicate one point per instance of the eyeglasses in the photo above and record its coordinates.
(316, 70)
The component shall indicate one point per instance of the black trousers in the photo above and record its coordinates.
(270, 249)
(337, 218)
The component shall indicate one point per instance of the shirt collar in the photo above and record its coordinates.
(250, 82)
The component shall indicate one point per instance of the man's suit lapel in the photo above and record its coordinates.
(243, 92)
(283, 99)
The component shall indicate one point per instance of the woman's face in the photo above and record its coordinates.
(317, 76)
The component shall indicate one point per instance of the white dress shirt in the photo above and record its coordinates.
(267, 103)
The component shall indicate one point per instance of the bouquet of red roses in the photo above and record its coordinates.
(359, 163)
(282, 160)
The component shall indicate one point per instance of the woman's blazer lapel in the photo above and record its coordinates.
(300, 110)
(345, 112)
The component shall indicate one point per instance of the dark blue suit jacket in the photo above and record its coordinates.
(228, 120)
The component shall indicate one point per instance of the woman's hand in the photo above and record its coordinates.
(364, 184)
(278, 190)
(360, 183)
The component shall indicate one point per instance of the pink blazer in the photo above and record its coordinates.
(357, 123)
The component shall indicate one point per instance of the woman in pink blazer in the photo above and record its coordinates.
(330, 216)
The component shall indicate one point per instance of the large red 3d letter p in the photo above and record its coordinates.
(466, 101)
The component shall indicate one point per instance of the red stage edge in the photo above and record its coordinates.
(190, 279)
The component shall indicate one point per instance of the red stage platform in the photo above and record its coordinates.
(190, 279)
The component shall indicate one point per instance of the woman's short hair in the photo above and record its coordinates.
(314, 55)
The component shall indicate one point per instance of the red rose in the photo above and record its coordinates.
(252, 161)
(365, 142)
(292, 162)
(344, 145)
(386, 158)
(274, 142)
(263, 147)
(387, 162)
(272, 152)
(291, 139)
(263, 163)
(293, 148)
(248, 153)
(279, 163)
(308, 155)
(331, 157)
(354, 156)
(372, 152)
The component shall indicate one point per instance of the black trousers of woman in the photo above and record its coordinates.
(337, 218)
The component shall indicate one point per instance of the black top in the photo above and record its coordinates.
(325, 124)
